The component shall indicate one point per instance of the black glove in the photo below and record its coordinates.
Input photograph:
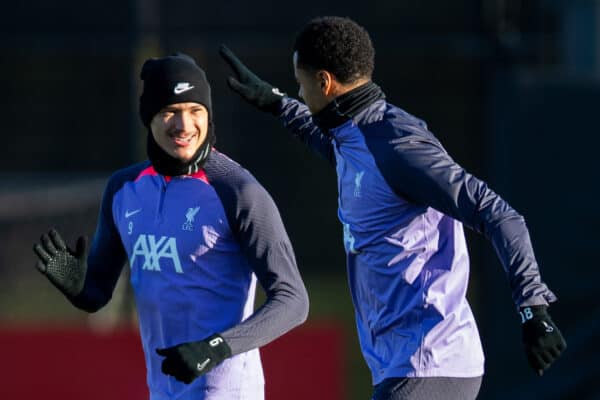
(187, 361)
(253, 89)
(64, 267)
(542, 340)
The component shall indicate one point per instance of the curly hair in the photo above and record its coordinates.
(338, 45)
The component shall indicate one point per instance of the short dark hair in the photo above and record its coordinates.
(338, 45)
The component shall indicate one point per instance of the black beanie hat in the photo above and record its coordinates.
(170, 80)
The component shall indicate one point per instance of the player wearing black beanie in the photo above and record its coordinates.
(174, 79)
(199, 231)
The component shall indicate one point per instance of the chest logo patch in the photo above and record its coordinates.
(153, 251)
(190, 215)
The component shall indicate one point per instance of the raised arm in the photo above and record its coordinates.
(264, 96)
(87, 277)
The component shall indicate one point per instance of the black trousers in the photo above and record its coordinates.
(435, 388)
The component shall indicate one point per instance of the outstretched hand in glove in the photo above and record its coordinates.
(64, 268)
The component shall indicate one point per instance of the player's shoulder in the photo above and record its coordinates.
(231, 180)
(222, 169)
(127, 174)
(392, 125)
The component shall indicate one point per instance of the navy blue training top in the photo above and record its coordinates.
(196, 245)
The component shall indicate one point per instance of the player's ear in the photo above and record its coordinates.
(323, 79)
(326, 82)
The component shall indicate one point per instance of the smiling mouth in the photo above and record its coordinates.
(183, 141)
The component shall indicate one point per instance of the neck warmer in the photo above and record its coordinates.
(348, 105)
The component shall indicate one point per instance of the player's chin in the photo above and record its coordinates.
(183, 155)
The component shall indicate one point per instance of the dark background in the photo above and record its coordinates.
(511, 88)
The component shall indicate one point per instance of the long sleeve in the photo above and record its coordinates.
(107, 255)
(255, 220)
(417, 168)
(298, 120)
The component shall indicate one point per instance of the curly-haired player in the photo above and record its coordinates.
(403, 203)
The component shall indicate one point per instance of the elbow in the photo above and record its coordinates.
(89, 305)
(91, 308)
(302, 307)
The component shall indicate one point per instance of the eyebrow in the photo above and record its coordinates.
(173, 108)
